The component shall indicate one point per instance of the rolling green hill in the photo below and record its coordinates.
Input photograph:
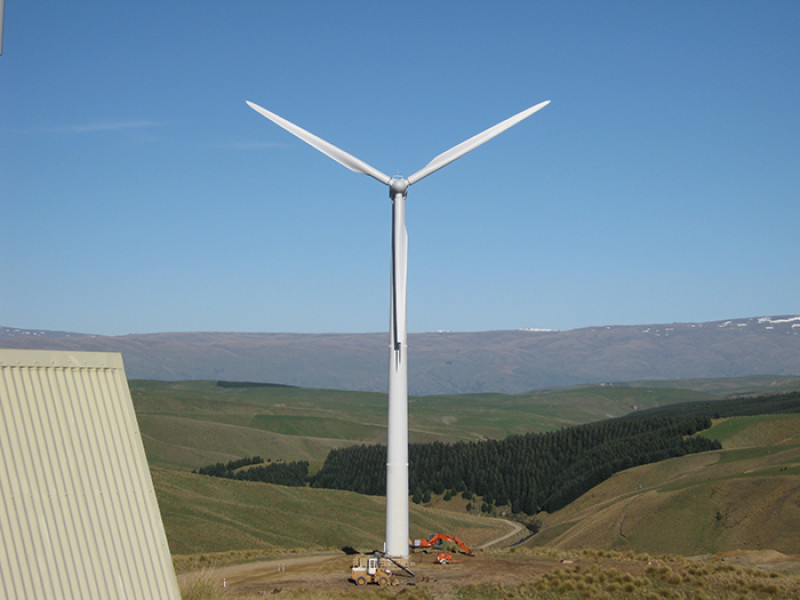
(189, 424)
(211, 515)
(756, 431)
(753, 385)
(746, 496)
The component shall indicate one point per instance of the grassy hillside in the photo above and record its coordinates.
(211, 515)
(742, 497)
(759, 430)
(746, 496)
(728, 386)
(189, 424)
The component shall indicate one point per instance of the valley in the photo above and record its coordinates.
(188, 424)
(704, 512)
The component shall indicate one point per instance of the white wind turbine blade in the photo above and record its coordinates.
(445, 158)
(337, 154)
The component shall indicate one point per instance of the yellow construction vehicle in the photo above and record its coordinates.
(372, 569)
(375, 568)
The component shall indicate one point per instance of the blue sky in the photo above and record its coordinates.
(140, 194)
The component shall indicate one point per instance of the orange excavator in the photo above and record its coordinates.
(435, 540)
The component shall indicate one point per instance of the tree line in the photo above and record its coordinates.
(529, 473)
(293, 473)
(773, 404)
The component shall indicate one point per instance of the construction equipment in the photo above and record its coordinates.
(435, 540)
(371, 569)
(442, 558)
(375, 568)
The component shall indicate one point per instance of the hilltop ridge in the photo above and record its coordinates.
(445, 362)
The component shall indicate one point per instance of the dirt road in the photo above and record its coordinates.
(331, 568)
(515, 530)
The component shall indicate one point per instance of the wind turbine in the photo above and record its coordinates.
(397, 426)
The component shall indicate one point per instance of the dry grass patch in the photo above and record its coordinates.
(527, 575)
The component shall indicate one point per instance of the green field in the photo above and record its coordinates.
(729, 386)
(188, 424)
(744, 496)
(739, 497)
(212, 515)
(759, 430)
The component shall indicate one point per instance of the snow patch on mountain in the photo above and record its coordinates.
(785, 324)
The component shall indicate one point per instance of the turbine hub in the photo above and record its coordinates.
(399, 185)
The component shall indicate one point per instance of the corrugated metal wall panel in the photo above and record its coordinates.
(79, 516)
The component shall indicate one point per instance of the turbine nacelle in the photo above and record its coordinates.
(398, 185)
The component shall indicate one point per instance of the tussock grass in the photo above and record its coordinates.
(553, 575)
(641, 577)
(201, 585)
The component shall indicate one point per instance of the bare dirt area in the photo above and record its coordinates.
(331, 573)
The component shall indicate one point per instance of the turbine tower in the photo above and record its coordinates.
(397, 426)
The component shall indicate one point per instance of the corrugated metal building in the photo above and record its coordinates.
(79, 517)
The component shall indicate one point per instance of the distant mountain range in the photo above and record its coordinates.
(451, 363)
